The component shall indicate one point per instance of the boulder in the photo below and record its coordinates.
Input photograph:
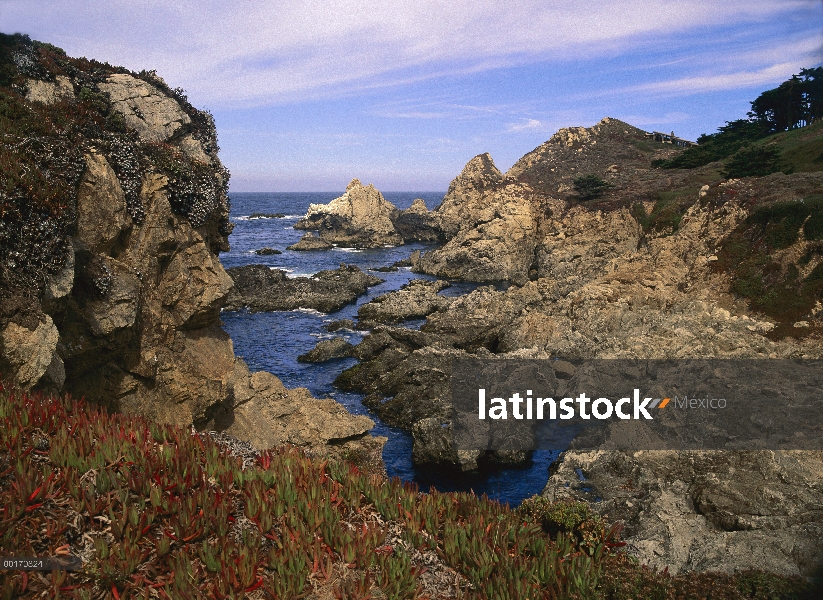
(267, 251)
(101, 206)
(310, 242)
(705, 510)
(26, 354)
(327, 350)
(360, 218)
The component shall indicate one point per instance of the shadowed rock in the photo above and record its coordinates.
(327, 350)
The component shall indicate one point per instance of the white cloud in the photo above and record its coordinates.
(252, 52)
(524, 125)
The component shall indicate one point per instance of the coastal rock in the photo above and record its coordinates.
(267, 251)
(705, 510)
(49, 92)
(144, 108)
(327, 350)
(416, 223)
(413, 300)
(101, 206)
(361, 218)
(341, 324)
(310, 242)
(268, 414)
(28, 353)
(260, 288)
(462, 206)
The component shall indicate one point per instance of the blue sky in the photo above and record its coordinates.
(309, 94)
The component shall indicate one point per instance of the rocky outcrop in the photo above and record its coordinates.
(360, 218)
(327, 350)
(490, 228)
(260, 288)
(112, 290)
(697, 511)
(151, 113)
(267, 251)
(416, 223)
(310, 242)
(413, 300)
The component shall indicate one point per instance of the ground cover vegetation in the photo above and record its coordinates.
(156, 511)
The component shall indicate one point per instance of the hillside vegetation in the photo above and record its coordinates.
(155, 511)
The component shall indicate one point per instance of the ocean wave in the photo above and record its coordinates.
(309, 311)
(348, 249)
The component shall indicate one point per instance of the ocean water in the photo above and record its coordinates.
(272, 341)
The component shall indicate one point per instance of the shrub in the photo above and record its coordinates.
(590, 187)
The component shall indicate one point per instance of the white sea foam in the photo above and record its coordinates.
(309, 311)
(347, 249)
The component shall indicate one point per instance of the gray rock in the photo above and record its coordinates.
(263, 289)
(327, 350)
(267, 251)
(49, 92)
(341, 324)
(413, 300)
(144, 108)
(310, 242)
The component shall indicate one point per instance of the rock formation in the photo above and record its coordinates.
(261, 288)
(413, 300)
(110, 285)
(668, 264)
(360, 218)
(327, 350)
(310, 242)
(416, 223)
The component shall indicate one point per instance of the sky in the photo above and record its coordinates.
(308, 94)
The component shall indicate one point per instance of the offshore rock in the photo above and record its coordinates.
(260, 288)
(416, 223)
(413, 300)
(310, 242)
(327, 350)
(360, 218)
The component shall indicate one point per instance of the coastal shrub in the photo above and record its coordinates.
(589, 187)
(785, 292)
(754, 161)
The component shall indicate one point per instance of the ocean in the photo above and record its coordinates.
(272, 341)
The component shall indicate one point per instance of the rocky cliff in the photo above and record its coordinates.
(666, 264)
(113, 209)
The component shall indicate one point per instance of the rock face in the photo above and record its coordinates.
(118, 297)
(260, 288)
(359, 218)
(724, 511)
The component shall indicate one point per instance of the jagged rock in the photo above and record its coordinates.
(268, 414)
(361, 217)
(118, 309)
(341, 324)
(705, 510)
(310, 242)
(263, 289)
(327, 350)
(266, 215)
(60, 284)
(144, 108)
(462, 206)
(267, 251)
(49, 92)
(101, 206)
(413, 300)
(27, 353)
(416, 223)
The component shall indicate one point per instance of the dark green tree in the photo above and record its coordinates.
(754, 161)
(590, 187)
